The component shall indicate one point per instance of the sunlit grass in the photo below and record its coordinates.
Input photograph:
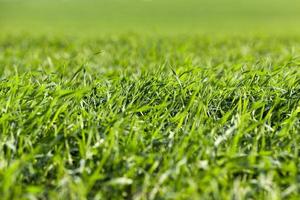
(130, 116)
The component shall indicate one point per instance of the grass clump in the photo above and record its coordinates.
(139, 117)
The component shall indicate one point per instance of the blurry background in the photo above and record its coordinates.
(171, 16)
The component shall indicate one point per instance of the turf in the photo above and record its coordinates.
(134, 99)
(184, 16)
(137, 117)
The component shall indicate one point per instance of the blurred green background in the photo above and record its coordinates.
(153, 16)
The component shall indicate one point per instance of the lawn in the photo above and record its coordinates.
(149, 108)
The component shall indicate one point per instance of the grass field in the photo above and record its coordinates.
(199, 101)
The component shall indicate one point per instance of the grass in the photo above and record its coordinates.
(138, 117)
(176, 16)
(149, 99)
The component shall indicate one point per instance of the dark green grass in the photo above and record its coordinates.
(136, 117)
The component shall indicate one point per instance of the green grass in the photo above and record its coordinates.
(160, 117)
(133, 99)
(175, 16)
